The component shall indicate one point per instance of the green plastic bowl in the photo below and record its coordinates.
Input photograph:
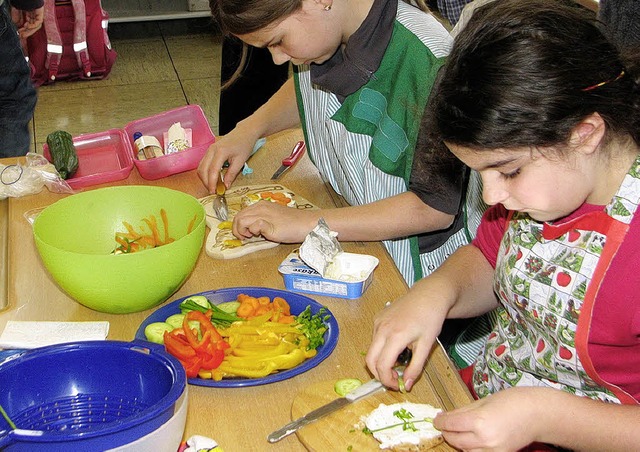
(76, 235)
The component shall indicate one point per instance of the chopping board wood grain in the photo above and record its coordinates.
(216, 245)
(340, 431)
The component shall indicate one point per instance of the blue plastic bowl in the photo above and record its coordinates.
(89, 396)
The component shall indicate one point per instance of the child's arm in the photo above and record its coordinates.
(461, 287)
(513, 418)
(278, 113)
(398, 216)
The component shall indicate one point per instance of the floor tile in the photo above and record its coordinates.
(101, 108)
(195, 56)
(206, 93)
(139, 61)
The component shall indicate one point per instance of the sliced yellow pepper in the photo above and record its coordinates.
(280, 349)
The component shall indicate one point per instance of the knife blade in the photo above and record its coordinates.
(360, 392)
(220, 201)
(288, 162)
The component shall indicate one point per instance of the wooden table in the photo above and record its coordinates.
(238, 418)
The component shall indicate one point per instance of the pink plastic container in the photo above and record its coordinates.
(190, 116)
(102, 157)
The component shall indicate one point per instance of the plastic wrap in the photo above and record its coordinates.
(21, 180)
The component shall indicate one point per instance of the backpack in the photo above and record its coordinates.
(72, 44)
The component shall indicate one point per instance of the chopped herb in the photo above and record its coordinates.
(402, 424)
(405, 417)
(313, 326)
(349, 448)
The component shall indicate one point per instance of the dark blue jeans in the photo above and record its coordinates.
(17, 94)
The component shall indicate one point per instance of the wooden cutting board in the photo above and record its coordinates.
(340, 430)
(215, 244)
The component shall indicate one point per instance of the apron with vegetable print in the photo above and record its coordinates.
(547, 278)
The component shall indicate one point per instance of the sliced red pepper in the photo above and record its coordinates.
(178, 347)
(205, 323)
(213, 358)
(192, 338)
(192, 366)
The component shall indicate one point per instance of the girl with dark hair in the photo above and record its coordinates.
(538, 101)
(363, 72)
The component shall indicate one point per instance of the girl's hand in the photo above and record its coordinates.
(410, 321)
(274, 222)
(461, 287)
(235, 148)
(27, 22)
(504, 421)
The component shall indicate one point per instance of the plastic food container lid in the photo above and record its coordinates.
(353, 274)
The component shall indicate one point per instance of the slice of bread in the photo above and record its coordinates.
(404, 427)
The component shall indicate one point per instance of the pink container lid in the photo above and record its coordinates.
(102, 157)
(189, 116)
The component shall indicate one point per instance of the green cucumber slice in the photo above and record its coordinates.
(154, 332)
(346, 385)
(230, 307)
(175, 320)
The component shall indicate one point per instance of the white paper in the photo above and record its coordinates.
(28, 335)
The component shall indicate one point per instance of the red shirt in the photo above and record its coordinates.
(614, 339)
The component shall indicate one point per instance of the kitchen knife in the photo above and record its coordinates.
(219, 203)
(288, 162)
(360, 392)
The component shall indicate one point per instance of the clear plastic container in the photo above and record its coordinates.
(190, 116)
(102, 157)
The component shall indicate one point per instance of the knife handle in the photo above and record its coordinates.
(295, 155)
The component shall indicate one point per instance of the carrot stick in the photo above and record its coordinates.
(165, 224)
(192, 223)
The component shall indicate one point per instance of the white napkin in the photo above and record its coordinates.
(27, 335)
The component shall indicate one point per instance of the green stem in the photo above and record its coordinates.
(400, 424)
(6, 418)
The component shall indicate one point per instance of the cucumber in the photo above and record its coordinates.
(200, 300)
(176, 320)
(230, 307)
(154, 332)
(63, 153)
(346, 385)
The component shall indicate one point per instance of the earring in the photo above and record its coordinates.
(327, 7)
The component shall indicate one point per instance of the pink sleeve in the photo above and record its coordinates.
(490, 232)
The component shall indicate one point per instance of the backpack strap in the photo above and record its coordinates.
(54, 39)
(80, 37)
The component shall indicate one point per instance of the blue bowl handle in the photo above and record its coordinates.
(6, 355)
(150, 346)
